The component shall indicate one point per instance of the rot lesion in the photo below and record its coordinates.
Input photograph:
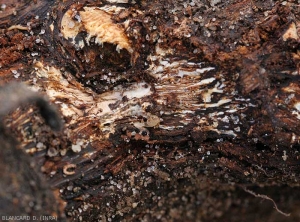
(105, 48)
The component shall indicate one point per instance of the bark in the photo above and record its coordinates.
(173, 110)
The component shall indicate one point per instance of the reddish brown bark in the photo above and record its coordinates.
(207, 106)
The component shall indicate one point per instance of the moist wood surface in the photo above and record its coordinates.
(171, 108)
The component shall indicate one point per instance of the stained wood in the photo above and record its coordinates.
(201, 101)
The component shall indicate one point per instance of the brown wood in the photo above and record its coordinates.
(171, 108)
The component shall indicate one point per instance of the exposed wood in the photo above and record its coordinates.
(172, 108)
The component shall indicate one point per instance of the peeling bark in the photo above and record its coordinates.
(172, 109)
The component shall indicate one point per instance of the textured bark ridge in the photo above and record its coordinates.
(24, 191)
(173, 110)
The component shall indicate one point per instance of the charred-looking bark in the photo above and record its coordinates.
(174, 110)
(15, 94)
(24, 192)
